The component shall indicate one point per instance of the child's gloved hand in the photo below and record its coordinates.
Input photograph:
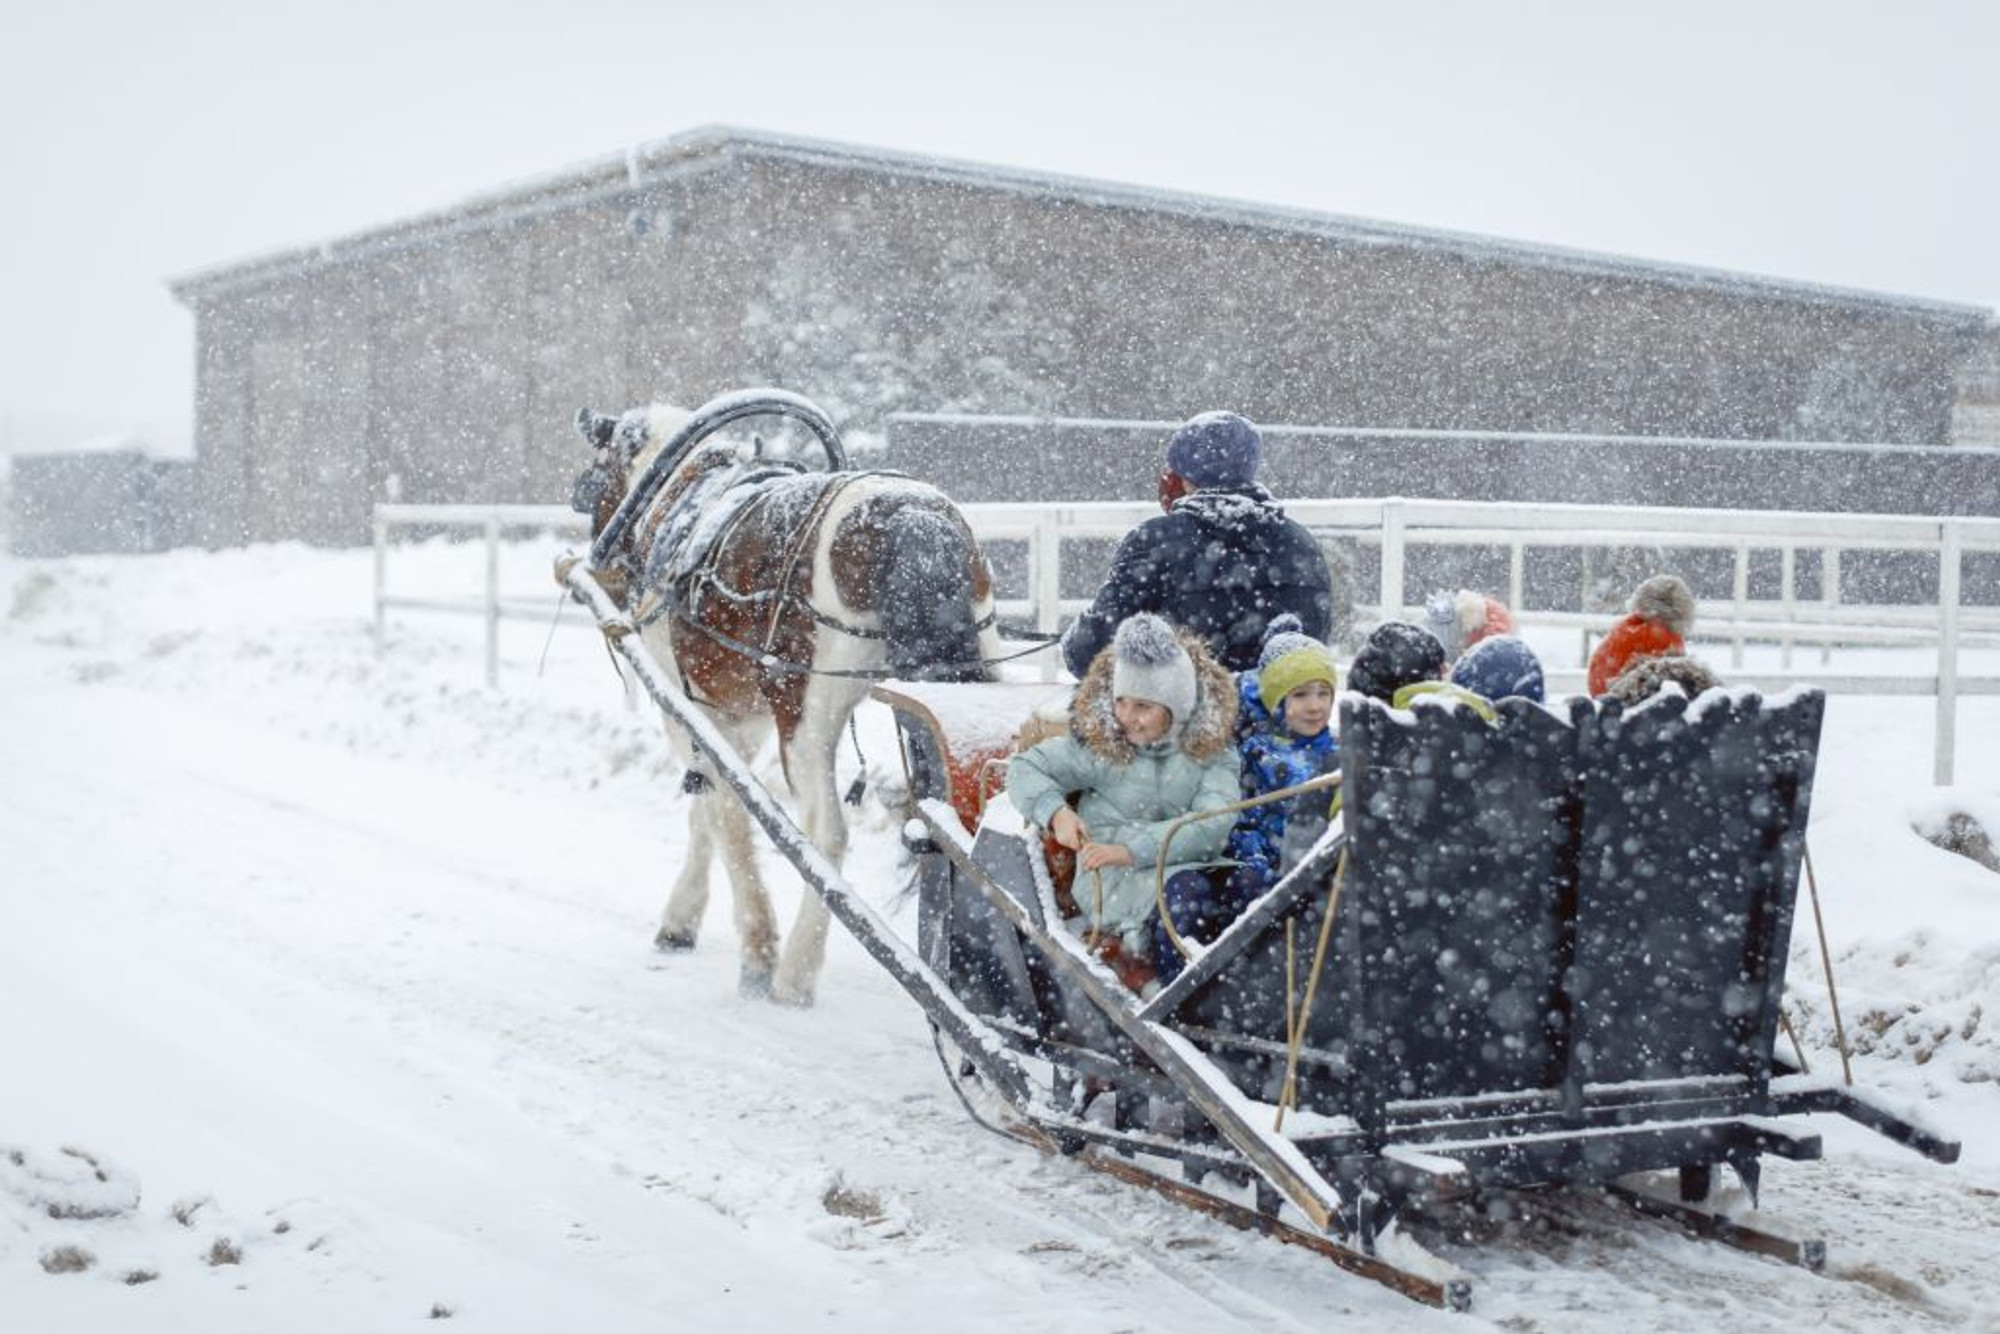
(1068, 829)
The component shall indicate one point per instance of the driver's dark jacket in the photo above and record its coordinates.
(1221, 564)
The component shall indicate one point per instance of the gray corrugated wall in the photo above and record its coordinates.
(457, 362)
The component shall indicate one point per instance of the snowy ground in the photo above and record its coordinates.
(327, 1003)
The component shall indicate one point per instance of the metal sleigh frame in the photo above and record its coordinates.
(1557, 954)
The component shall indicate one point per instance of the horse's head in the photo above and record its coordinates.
(598, 488)
(621, 448)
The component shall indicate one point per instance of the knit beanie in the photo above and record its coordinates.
(1463, 618)
(1290, 658)
(1396, 654)
(1500, 668)
(1443, 692)
(1149, 663)
(1216, 449)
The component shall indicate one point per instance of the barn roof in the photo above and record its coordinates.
(718, 147)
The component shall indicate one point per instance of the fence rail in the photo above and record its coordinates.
(490, 521)
(1393, 526)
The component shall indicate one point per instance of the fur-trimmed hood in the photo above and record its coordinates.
(1646, 676)
(1206, 734)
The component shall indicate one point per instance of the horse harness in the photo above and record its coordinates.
(681, 598)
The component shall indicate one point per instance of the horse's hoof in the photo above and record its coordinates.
(753, 983)
(798, 1000)
(673, 942)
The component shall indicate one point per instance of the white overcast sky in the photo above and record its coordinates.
(1842, 143)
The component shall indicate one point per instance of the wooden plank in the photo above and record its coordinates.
(1808, 1253)
(1453, 1294)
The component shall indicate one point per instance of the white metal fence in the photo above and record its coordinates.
(494, 603)
(1943, 630)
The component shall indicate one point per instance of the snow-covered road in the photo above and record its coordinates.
(346, 966)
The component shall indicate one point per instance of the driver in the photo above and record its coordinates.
(1222, 561)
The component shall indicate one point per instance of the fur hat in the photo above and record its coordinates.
(1501, 667)
(1216, 449)
(1666, 601)
(1396, 654)
(1645, 677)
(1150, 664)
(1290, 658)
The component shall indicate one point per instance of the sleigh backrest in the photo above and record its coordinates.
(1455, 901)
(1694, 821)
(1548, 904)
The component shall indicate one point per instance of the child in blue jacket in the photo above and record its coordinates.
(1294, 686)
(1284, 737)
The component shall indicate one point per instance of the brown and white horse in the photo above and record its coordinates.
(777, 595)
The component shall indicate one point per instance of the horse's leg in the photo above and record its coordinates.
(681, 921)
(756, 923)
(717, 822)
(810, 753)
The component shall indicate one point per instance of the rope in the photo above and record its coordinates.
(1096, 932)
(1826, 964)
(555, 621)
(1786, 1021)
(1288, 1093)
(1291, 976)
(1167, 843)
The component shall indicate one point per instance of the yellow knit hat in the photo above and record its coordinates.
(1444, 690)
(1309, 661)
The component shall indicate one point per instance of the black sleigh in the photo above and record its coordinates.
(1546, 952)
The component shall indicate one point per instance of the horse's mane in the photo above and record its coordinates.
(659, 421)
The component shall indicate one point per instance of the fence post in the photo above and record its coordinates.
(381, 526)
(1392, 559)
(1583, 603)
(1741, 593)
(492, 600)
(1947, 682)
(1787, 590)
(1517, 576)
(1045, 555)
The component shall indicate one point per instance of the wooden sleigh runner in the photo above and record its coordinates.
(1543, 952)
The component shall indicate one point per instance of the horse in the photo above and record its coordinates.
(777, 595)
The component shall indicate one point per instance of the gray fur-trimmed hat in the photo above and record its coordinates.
(1665, 600)
(1216, 449)
(1150, 664)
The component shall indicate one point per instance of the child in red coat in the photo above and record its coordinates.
(1662, 614)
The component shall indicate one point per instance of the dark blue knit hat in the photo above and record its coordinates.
(1396, 654)
(1500, 667)
(1216, 449)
